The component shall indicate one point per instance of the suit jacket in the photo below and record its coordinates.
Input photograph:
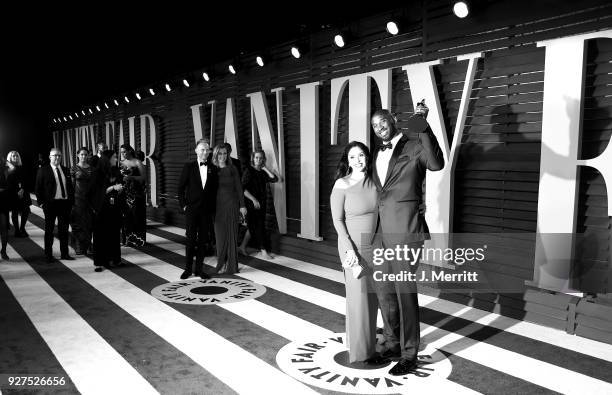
(190, 191)
(399, 220)
(46, 186)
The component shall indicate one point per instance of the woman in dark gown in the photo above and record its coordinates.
(230, 202)
(135, 213)
(254, 182)
(19, 196)
(81, 217)
(105, 197)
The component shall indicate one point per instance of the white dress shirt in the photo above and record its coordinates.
(58, 189)
(383, 158)
(203, 173)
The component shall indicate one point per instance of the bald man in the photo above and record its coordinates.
(55, 195)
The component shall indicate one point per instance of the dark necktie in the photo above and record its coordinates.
(202, 163)
(61, 183)
(385, 146)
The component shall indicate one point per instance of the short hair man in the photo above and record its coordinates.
(197, 195)
(399, 168)
(55, 195)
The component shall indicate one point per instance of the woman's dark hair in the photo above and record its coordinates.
(83, 149)
(343, 169)
(128, 150)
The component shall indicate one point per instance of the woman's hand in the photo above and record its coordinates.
(20, 193)
(243, 211)
(350, 259)
(256, 204)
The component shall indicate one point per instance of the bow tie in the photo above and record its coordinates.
(385, 146)
(202, 163)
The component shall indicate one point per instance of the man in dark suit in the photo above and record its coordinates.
(398, 172)
(55, 195)
(197, 194)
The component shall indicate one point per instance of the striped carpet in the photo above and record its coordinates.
(105, 333)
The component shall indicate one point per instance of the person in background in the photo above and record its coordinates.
(55, 195)
(81, 217)
(254, 183)
(353, 203)
(20, 197)
(4, 208)
(197, 195)
(100, 147)
(230, 202)
(105, 197)
(135, 214)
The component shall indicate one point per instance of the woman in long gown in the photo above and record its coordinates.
(353, 206)
(81, 217)
(21, 200)
(4, 208)
(230, 202)
(135, 215)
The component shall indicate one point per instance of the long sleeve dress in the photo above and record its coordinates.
(354, 214)
(229, 200)
(256, 181)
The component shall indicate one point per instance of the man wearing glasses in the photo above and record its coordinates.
(55, 195)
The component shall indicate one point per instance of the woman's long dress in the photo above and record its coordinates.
(229, 200)
(255, 181)
(354, 214)
(135, 214)
(81, 216)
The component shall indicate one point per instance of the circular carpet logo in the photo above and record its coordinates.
(324, 363)
(210, 291)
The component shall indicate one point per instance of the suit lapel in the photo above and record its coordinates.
(396, 152)
(196, 171)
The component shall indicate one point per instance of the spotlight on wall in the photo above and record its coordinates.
(295, 51)
(90, 111)
(70, 117)
(83, 112)
(461, 9)
(186, 83)
(392, 28)
(168, 87)
(205, 76)
(105, 105)
(231, 69)
(76, 114)
(65, 120)
(116, 102)
(98, 108)
(339, 40)
(127, 100)
(151, 91)
(138, 96)
(259, 61)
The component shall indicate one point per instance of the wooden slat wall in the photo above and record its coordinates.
(497, 173)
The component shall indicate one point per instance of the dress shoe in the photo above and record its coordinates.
(186, 274)
(66, 258)
(98, 269)
(403, 366)
(377, 360)
(203, 275)
(390, 353)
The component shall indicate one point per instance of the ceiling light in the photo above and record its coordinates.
(392, 28)
(186, 83)
(295, 51)
(259, 61)
(83, 112)
(339, 40)
(98, 108)
(65, 119)
(105, 105)
(126, 99)
(70, 117)
(461, 9)
(205, 76)
(138, 96)
(91, 112)
(116, 102)
(151, 91)
(231, 69)
(168, 87)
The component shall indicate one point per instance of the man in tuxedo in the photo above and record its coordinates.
(55, 195)
(197, 194)
(399, 168)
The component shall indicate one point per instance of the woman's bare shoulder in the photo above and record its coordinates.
(342, 183)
